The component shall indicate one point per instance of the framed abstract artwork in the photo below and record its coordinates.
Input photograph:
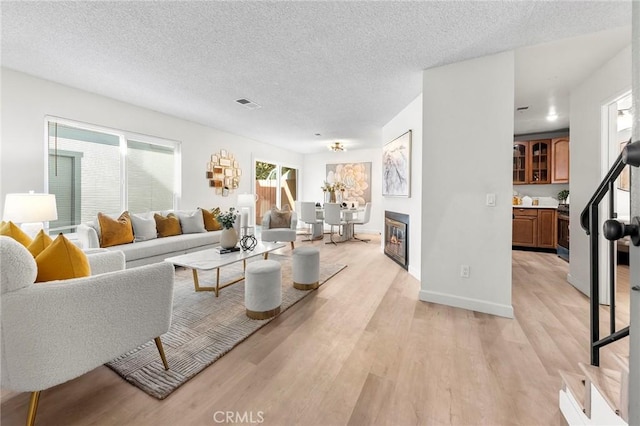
(396, 167)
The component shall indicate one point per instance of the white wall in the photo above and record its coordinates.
(315, 173)
(26, 101)
(602, 87)
(467, 153)
(410, 118)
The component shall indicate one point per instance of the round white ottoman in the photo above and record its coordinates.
(263, 289)
(306, 268)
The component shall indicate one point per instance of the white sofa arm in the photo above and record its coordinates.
(105, 261)
(57, 331)
(88, 237)
(294, 220)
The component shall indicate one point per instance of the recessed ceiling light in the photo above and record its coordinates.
(318, 134)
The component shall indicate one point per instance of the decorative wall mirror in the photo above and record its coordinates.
(223, 172)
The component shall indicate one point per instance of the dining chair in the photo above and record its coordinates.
(332, 218)
(308, 216)
(365, 219)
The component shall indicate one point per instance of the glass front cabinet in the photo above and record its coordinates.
(532, 162)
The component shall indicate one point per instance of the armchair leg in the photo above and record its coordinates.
(161, 350)
(33, 408)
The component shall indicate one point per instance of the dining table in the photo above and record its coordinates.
(347, 214)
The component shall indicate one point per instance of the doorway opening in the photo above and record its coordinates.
(275, 185)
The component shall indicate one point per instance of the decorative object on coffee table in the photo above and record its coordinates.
(229, 236)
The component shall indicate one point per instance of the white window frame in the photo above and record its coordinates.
(123, 136)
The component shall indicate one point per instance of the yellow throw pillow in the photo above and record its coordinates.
(280, 218)
(167, 226)
(62, 260)
(9, 229)
(115, 231)
(211, 219)
(39, 243)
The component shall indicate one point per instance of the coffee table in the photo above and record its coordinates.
(209, 259)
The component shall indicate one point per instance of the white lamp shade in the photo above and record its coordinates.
(246, 200)
(30, 208)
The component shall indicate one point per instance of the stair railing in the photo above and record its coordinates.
(613, 230)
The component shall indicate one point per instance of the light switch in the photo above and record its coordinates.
(491, 200)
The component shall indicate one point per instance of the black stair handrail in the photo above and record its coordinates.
(630, 156)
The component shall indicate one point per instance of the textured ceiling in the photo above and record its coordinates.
(341, 69)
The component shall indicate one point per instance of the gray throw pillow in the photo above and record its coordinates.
(144, 228)
(192, 222)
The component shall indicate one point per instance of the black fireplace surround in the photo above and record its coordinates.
(396, 237)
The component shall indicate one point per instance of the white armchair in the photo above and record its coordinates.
(56, 331)
(279, 234)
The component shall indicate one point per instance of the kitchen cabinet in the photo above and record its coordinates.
(532, 162)
(560, 160)
(533, 227)
(520, 158)
(525, 227)
(546, 228)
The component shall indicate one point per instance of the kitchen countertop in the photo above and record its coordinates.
(536, 207)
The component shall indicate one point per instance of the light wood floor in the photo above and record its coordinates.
(362, 350)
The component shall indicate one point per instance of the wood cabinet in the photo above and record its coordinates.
(520, 161)
(534, 228)
(546, 228)
(560, 160)
(532, 162)
(525, 227)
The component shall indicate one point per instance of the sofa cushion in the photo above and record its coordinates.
(168, 246)
(210, 218)
(39, 243)
(192, 223)
(18, 265)
(62, 260)
(144, 228)
(167, 226)
(280, 218)
(115, 231)
(9, 229)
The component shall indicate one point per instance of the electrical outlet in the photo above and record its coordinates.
(491, 200)
(465, 271)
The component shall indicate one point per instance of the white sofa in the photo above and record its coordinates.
(151, 251)
(56, 331)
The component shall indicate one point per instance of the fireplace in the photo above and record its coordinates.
(396, 237)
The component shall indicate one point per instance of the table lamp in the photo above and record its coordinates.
(30, 210)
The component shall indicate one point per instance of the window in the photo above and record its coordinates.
(92, 169)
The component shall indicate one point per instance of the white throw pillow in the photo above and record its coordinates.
(144, 228)
(192, 222)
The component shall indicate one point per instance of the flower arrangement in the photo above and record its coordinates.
(338, 186)
(227, 219)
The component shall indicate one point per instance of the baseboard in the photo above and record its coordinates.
(466, 303)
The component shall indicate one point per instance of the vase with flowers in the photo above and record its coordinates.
(229, 236)
(329, 192)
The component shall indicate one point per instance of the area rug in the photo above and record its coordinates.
(203, 328)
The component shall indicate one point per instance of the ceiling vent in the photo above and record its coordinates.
(248, 104)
